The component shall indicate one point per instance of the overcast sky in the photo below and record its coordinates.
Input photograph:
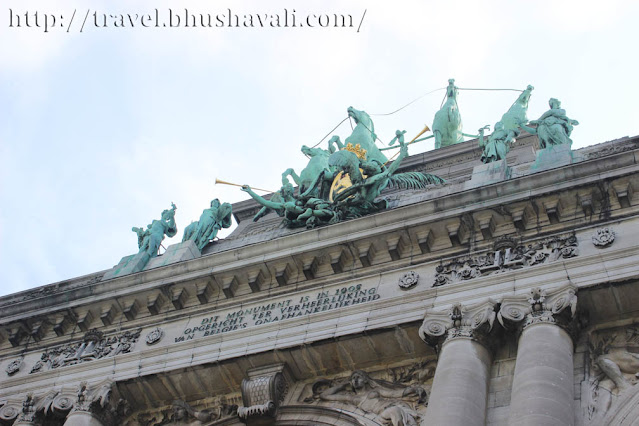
(101, 130)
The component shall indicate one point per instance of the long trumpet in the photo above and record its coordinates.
(426, 128)
(235, 184)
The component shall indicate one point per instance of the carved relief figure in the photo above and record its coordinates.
(184, 415)
(394, 404)
(615, 363)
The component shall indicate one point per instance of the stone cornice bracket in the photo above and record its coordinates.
(262, 394)
(550, 306)
(458, 322)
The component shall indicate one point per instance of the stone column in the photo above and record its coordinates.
(460, 387)
(82, 418)
(543, 389)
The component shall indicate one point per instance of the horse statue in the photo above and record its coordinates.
(315, 179)
(447, 125)
(364, 135)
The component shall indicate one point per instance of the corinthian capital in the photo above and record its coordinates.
(539, 306)
(459, 321)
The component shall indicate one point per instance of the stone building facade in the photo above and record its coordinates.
(504, 297)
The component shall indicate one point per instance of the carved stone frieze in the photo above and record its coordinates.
(396, 403)
(506, 256)
(182, 414)
(262, 394)
(93, 346)
(603, 237)
(459, 321)
(408, 280)
(540, 306)
(610, 150)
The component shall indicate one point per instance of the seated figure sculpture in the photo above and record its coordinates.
(553, 127)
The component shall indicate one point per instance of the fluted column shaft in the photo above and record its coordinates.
(460, 387)
(543, 390)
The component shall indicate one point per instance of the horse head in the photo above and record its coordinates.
(360, 117)
(451, 90)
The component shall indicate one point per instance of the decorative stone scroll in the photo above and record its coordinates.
(93, 346)
(262, 394)
(603, 237)
(506, 256)
(469, 322)
(540, 305)
(97, 401)
(9, 412)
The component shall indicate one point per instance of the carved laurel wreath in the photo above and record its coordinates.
(408, 280)
(154, 336)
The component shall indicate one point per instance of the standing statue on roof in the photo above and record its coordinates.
(447, 125)
(506, 130)
(213, 219)
(150, 239)
(553, 127)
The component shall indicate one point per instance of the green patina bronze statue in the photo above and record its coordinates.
(315, 180)
(506, 130)
(149, 240)
(553, 127)
(213, 219)
(447, 125)
(498, 143)
(356, 183)
(364, 135)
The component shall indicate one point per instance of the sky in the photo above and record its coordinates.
(103, 126)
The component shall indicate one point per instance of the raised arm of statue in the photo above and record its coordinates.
(403, 152)
(333, 394)
(261, 200)
(171, 229)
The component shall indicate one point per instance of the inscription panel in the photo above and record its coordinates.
(279, 310)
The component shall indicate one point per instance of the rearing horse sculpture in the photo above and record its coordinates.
(447, 125)
(364, 135)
